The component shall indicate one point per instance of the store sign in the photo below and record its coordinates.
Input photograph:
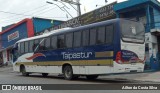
(97, 15)
(13, 36)
(70, 1)
(101, 14)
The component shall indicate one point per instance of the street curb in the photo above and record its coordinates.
(147, 81)
(146, 71)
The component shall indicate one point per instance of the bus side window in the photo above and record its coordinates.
(22, 47)
(77, 39)
(26, 47)
(35, 46)
(41, 45)
(54, 42)
(60, 41)
(31, 43)
(69, 40)
(109, 34)
(101, 35)
(93, 36)
(47, 43)
(85, 37)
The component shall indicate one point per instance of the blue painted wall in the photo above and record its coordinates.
(42, 24)
(137, 14)
(150, 8)
(128, 4)
(131, 3)
(6, 27)
(156, 18)
(22, 29)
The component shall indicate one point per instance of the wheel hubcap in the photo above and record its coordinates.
(67, 73)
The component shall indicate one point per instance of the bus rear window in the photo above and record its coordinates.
(132, 31)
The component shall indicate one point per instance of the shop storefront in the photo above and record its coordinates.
(23, 29)
(11, 35)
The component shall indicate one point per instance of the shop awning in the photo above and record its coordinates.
(10, 47)
(156, 31)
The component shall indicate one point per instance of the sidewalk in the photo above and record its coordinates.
(8, 68)
(150, 76)
(145, 76)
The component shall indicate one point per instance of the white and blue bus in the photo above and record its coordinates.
(113, 46)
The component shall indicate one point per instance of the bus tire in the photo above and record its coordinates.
(44, 74)
(68, 72)
(23, 71)
(92, 77)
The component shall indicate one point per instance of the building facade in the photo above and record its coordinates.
(41, 24)
(23, 29)
(147, 12)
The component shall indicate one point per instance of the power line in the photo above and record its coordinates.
(23, 15)
(31, 14)
(28, 15)
(27, 11)
(43, 10)
(36, 8)
(13, 13)
(47, 10)
(20, 14)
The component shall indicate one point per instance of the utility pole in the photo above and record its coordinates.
(106, 1)
(60, 7)
(74, 3)
(78, 8)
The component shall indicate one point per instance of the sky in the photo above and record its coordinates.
(13, 11)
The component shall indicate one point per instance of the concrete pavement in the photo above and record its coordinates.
(6, 69)
(8, 77)
(150, 76)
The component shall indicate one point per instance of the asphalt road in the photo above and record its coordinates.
(9, 77)
(17, 78)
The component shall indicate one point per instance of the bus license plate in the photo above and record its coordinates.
(133, 63)
(133, 71)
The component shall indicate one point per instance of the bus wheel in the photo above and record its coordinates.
(44, 74)
(68, 72)
(23, 70)
(91, 77)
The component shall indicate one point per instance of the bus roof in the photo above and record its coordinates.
(43, 35)
(59, 31)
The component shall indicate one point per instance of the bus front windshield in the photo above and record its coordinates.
(132, 31)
